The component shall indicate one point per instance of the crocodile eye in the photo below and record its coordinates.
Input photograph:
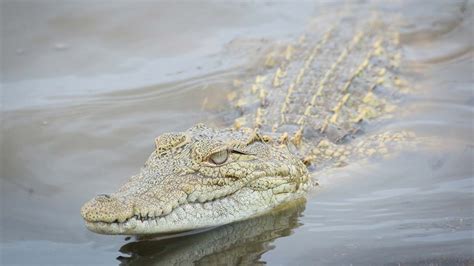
(219, 157)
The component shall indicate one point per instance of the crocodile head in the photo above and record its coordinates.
(199, 178)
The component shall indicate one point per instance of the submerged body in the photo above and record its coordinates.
(306, 110)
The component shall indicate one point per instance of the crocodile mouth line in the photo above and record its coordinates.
(131, 224)
(133, 219)
(144, 219)
(153, 223)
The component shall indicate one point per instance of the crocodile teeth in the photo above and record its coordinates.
(151, 215)
(182, 200)
(158, 212)
(167, 210)
(202, 198)
(174, 204)
(192, 197)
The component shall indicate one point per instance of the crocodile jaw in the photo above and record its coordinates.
(244, 204)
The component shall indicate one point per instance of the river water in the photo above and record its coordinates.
(85, 88)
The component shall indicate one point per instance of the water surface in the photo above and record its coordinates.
(86, 89)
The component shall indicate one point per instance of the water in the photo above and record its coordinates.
(86, 88)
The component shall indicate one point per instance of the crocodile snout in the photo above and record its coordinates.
(107, 208)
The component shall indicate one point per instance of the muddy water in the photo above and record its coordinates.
(86, 88)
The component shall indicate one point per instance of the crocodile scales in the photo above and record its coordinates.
(306, 110)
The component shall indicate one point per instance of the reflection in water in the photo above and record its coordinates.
(240, 243)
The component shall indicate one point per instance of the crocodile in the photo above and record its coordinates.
(308, 108)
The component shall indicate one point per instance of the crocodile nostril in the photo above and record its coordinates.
(106, 208)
